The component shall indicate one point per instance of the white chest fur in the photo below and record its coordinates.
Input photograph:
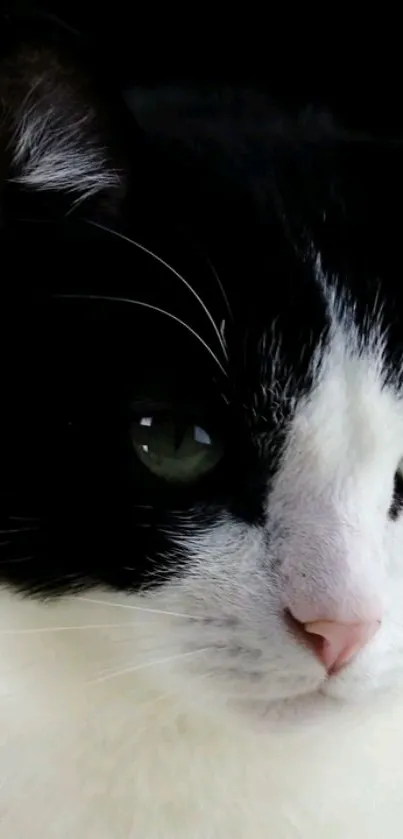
(90, 756)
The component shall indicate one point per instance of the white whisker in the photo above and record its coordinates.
(145, 306)
(15, 559)
(43, 629)
(169, 268)
(147, 664)
(18, 530)
(219, 283)
(138, 608)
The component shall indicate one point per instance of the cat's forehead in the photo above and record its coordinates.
(314, 338)
(324, 405)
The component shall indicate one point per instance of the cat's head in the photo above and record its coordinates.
(201, 376)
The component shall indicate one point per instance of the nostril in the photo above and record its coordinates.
(333, 642)
(341, 641)
(297, 629)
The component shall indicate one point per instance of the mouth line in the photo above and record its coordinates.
(318, 690)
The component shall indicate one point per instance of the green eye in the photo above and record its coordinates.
(176, 452)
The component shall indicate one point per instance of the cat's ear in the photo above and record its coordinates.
(60, 138)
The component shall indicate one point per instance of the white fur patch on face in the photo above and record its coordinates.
(329, 548)
(120, 713)
(55, 147)
(101, 738)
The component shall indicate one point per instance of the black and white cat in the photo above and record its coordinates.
(201, 543)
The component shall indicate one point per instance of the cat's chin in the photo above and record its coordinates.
(297, 711)
(331, 698)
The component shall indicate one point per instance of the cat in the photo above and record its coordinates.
(201, 491)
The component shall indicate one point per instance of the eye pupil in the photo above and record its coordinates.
(175, 450)
(396, 506)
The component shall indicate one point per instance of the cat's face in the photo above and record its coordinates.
(220, 442)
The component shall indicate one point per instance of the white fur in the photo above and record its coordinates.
(145, 755)
(192, 712)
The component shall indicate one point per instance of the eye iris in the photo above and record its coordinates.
(174, 450)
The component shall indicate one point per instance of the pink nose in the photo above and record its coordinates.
(338, 643)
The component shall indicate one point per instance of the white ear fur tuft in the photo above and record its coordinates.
(54, 145)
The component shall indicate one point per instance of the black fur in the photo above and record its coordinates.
(220, 180)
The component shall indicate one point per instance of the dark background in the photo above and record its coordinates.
(349, 61)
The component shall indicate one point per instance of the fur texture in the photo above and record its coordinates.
(148, 754)
(201, 431)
